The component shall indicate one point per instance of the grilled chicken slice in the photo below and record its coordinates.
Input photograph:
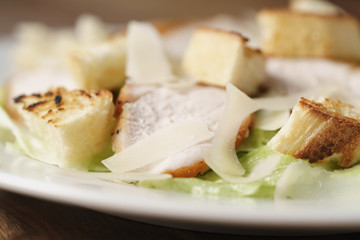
(144, 109)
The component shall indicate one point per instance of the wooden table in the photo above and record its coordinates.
(26, 218)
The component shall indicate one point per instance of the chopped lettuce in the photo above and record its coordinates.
(257, 138)
(208, 184)
(96, 165)
(211, 184)
(302, 180)
(29, 144)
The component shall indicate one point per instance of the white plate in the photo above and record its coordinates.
(237, 215)
(240, 215)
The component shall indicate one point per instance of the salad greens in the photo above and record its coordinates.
(292, 178)
(211, 184)
(257, 138)
(305, 181)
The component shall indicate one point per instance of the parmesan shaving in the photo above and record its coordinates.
(315, 6)
(161, 144)
(221, 157)
(261, 170)
(281, 103)
(271, 120)
(146, 57)
(125, 177)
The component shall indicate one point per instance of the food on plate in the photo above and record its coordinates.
(294, 33)
(186, 118)
(216, 57)
(74, 125)
(39, 45)
(320, 132)
(145, 109)
(85, 57)
(100, 66)
(34, 81)
(322, 7)
(45, 58)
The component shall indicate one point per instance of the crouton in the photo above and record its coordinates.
(75, 125)
(216, 57)
(100, 66)
(319, 132)
(287, 33)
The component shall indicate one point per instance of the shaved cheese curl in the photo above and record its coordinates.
(271, 120)
(161, 144)
(221, 156)
(146, 57)
(281, 103)
(261, 170)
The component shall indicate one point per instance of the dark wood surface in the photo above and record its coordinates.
(26, 218)
(65, 12)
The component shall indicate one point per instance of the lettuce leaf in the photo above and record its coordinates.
(302, 180)
(257, 138)
(212, 185)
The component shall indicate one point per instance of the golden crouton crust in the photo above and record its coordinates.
(318, 35)
(341, 135)
(238, 36)
(52, 104)
(290, 12)
(165, 26)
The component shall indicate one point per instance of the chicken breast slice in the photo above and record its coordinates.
(144, 109)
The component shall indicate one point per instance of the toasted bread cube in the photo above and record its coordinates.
(75, 125)
(216, 57)
(288, 33)
(32, 45)
(100, 66)
(90, 29)
(319, 132)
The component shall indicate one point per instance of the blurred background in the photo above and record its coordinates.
(64, 12)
